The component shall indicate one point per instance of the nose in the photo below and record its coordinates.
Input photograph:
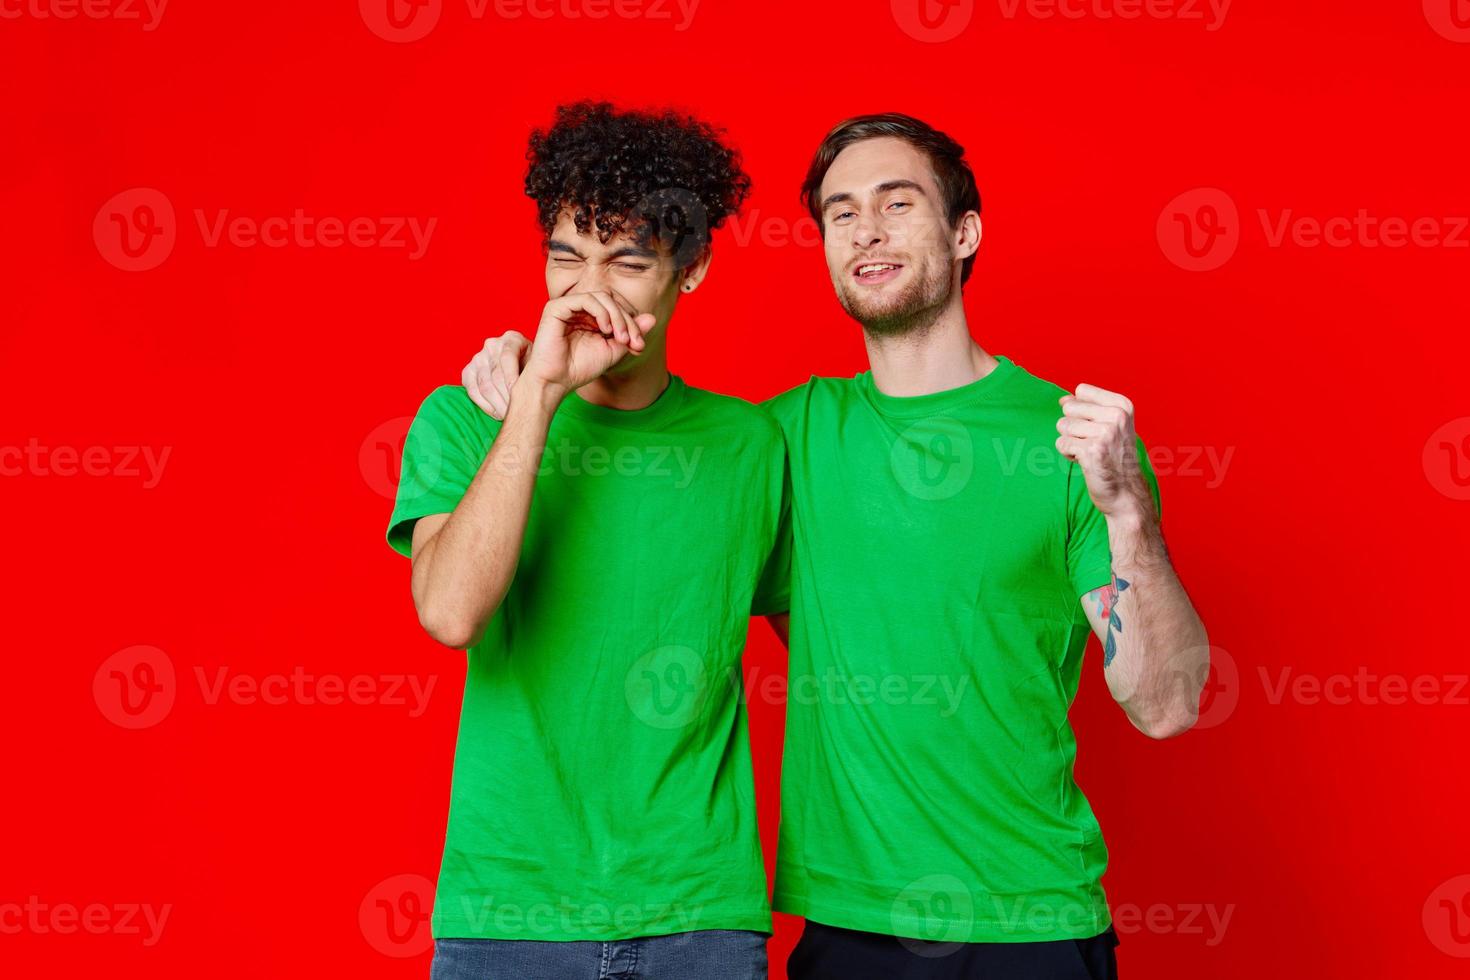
(591, 278)
(868, 233)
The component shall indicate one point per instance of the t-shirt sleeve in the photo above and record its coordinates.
(1089, 556)
(773, 591)
(445, 446)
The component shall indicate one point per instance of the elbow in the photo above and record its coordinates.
(449, 628)
(1168, 724)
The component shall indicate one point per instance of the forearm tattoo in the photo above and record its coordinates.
(1106, 599)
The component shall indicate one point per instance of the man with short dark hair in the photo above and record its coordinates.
(959, 527)
(599, 554)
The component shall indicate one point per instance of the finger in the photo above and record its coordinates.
(623, 303)
(642, 323)
(1103, 396)
(616, 314)
(471, 382)
(1069, 447)
(1083, 428)
(512, 358)
(499, 404)
(580, 311)
(1079, 408)
(518, 342)
(638, 323)
(507, 368)
(497, 391)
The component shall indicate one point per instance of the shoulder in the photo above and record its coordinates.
(728, 411)
(1026, 386)
(792, 405)
(449, 410)
(449, 400)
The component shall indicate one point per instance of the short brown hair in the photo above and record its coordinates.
(951, 171)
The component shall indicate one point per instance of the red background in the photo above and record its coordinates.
(1333, 544)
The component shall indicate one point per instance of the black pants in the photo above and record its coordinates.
(830, 953)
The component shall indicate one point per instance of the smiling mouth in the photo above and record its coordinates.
(876, 271)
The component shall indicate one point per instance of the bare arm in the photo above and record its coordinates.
(491, 377)
(1155, 649)
(464, 561)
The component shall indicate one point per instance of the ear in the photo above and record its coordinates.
(693, 274)
(967, 234)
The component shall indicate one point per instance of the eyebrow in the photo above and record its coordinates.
(883, 188)
(627, 251)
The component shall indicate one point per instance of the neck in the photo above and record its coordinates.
(937, 358)
(636, 386)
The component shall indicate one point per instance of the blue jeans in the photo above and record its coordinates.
(706, 954)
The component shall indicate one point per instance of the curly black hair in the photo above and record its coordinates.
(660, 175)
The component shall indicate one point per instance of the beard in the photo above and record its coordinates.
(907, 311)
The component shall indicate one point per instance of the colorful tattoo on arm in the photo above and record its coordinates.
(1106, 599)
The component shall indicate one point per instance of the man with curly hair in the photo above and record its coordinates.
(598, 553)
(960, 526)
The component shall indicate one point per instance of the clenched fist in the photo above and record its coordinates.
(1096, 431)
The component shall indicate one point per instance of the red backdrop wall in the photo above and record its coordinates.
(198, 430)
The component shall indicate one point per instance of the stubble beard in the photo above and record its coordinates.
(911, 313)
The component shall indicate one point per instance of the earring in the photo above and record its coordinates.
(689, 287)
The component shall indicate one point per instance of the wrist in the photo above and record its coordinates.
(545, 395)
(1131, 517)
(1134, 536)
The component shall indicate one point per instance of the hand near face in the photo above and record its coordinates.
(580, 336)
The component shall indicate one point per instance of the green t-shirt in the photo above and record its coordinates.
(602, 781)
(942, 545)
